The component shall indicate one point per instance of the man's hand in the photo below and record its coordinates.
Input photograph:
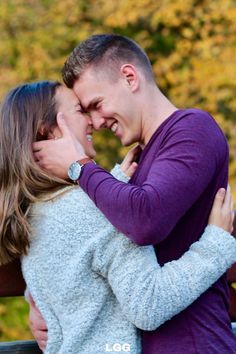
(222, 212)
(37, 325)
(55, 156)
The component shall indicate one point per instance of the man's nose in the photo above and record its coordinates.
(90, 122)
(97, 120)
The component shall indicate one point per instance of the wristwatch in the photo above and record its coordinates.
(75, 168)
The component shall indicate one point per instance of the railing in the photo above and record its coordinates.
(17, 347)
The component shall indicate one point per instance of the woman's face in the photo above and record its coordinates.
(79, 123)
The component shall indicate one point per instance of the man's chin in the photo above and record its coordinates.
(91, 154)
(126, 142)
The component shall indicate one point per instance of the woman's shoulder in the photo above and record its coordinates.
(69, 215)
(69, 203)
(62, 197)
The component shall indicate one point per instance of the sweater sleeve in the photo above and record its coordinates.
(119, 174)
(149, 294)
(190, 155)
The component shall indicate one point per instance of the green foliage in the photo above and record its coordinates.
(191, 44)
(14, 319)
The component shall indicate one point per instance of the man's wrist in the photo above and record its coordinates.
(83, 160)
(76, 168)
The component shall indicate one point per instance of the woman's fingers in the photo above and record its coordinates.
(227, 204)
(129, 159)
(219, 200)
(222, 210)
(132, 168)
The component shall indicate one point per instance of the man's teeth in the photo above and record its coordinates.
(114, 127)
(89, 137)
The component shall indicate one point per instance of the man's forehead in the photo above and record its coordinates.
(87, 75)
(93, 77)
(89, 88)
(85, 94)
(85, 83)
(88, 102)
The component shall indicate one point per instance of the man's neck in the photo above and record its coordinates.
(156, 109)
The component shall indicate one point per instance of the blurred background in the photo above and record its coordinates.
(191, 44)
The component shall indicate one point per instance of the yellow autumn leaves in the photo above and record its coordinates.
(191, 44)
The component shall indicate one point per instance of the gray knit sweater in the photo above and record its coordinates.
(93, 286)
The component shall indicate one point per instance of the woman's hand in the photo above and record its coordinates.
(222, 212)
(129, 165)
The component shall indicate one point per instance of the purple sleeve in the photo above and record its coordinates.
(181, 170)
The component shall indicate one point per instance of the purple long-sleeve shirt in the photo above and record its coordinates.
(167, 204)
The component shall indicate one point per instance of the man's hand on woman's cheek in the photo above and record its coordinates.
(55, 156)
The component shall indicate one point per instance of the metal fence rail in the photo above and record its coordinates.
(20, 347)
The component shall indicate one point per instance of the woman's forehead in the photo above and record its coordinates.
(67, 97)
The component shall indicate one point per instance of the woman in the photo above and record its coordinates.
(92, 285)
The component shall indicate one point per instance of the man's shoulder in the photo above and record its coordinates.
(192, 116)
(193, 122)
(192, 119)
(192, 130)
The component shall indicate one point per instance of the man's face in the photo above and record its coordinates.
(110, 104)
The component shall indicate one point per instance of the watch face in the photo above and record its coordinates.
(74, 171)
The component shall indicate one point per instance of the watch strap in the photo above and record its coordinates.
(83, 162)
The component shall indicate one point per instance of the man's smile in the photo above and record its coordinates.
(114, 127)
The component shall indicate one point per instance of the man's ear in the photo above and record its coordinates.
(130, 73)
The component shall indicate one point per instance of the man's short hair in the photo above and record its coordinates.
(108, 51)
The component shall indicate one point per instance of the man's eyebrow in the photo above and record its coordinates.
(79, 106)
(92, 103)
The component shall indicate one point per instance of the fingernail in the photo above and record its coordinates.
(221, 192)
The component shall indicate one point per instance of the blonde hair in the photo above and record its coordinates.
(24, 111)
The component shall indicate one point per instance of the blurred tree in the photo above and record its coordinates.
(14, 319)
(191, 45)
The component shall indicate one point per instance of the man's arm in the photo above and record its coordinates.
(187, 161)
(180, 173)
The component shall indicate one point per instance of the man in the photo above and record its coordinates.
(183, 163)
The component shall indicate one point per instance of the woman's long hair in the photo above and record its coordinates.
(25, 110)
